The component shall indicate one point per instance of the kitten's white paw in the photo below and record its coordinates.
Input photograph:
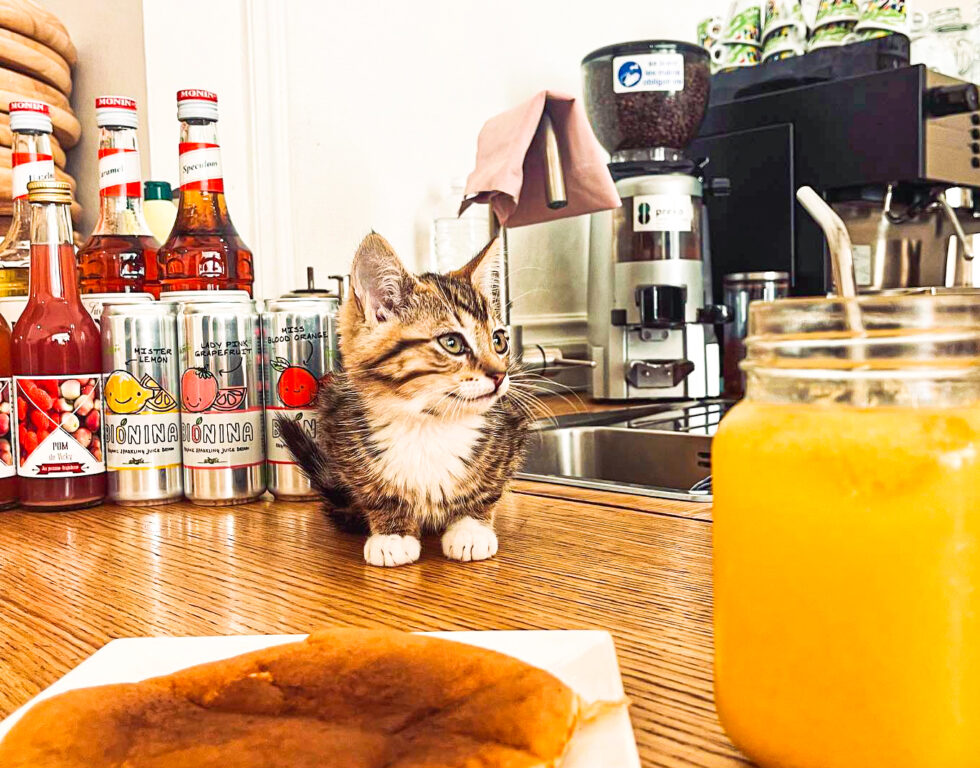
(388, 550)
(468, 539)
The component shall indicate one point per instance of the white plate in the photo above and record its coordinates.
(583, 660)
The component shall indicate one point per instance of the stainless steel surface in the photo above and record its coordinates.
(908, 249)
(653, 239)
(657, 374)
(948, 139)
(299, 342)
(661, 450)
(954, 222)
(142, 445)
(221, 431)
(554, 175)
(739, 290)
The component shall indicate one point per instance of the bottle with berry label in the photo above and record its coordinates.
(8, 472)
(204, 251)
(121, 254)
(30, 160)
(57, 365)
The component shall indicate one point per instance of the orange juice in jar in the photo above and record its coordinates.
(847, 537)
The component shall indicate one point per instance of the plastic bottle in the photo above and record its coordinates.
(159, 208)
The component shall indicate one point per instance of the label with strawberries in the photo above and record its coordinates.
(59, 425)
(119, 172)
(200, 167)
(27, 167)
(7, 468)
(142, 423)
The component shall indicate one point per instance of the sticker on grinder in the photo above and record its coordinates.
(648, 72)
(662, 213)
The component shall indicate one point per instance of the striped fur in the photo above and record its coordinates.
(415, 437)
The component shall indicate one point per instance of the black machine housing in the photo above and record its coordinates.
(847, 122)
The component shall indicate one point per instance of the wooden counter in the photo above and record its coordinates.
(71, 581)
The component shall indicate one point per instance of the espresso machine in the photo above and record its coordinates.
(894, 147)
(651, 321)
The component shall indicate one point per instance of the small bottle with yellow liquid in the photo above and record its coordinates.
(847, 536)
(30, 160)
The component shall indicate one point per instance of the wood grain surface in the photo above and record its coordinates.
(33, 58)
(36, 22)
(69, 582)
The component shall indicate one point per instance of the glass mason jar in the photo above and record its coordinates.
(847, 536)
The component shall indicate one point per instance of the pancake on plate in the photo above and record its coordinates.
(343, 697)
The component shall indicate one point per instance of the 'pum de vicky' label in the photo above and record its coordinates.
(648, 72)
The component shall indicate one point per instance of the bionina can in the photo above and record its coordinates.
(142, 417)
(221, 402)
(299, 341)
(96, 303)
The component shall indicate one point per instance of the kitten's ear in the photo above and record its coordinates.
(485, 271)
(380, 283)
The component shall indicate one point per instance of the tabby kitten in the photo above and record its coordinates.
(418, 432)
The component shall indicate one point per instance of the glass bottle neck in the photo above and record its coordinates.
(201, 206)
(51, 273)
(30, 159)
(120, 184)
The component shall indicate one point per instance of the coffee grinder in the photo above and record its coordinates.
(651, 327)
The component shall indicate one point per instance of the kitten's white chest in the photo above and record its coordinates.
(425, 455)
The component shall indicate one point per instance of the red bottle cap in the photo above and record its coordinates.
(197, 103)
(30, 116)
(116, 111)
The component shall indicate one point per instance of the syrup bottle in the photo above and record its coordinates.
(30, 159)
(8, 471)
(204, 250)
(121, 254)
(57, 366)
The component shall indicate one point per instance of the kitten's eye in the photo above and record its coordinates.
(453, 343)
(499, 342)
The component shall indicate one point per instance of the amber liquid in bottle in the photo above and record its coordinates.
(121, 254)
(204, 250)
(57, 364)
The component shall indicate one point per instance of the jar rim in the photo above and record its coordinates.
(908, 336)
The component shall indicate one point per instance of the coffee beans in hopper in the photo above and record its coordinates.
(647, 118)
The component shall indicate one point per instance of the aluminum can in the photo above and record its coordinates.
(299, 343)
(190, 297)
(142, 418)
(95, 303)
(221, 402)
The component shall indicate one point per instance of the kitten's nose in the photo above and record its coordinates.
(497, 379)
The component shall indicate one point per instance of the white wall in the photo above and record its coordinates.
(383, 102)
(338, 117)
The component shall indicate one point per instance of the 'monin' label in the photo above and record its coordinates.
(59, 425)
(27, 167)
(200, 167)
(119, 172)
